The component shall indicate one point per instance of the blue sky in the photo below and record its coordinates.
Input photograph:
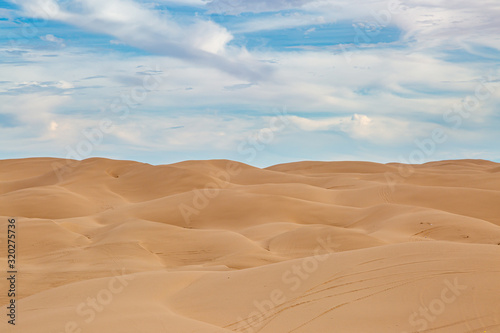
(261, 82)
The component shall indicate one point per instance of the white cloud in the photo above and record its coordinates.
(425, 24)
(29, 87)
(195, 3)
(254, 6)
(64, 85)
(202, 42)
(209, 37)
(282, 21)
(37, 119)
(359, 126)
(53, 39)
(53, 125)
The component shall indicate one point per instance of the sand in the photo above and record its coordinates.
(220, 246)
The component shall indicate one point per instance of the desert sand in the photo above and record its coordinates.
(219, 246)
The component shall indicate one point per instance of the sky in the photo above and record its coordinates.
(260, 82)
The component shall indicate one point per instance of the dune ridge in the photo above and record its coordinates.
(221, 246)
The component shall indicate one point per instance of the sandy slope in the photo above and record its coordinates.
(219, 246)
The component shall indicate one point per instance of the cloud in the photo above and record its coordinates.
(34, 113)
(195, 3)
(9, 120)
(55, 88)
(362, 127)
(279, 21)
(116, 42)
(53, 39)
(53, 125)
(446, 25)
(239, 86)
(7, 14)
(94, 77)
(234, 7)
(200, 41)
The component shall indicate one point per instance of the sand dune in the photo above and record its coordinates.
(220, 246)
